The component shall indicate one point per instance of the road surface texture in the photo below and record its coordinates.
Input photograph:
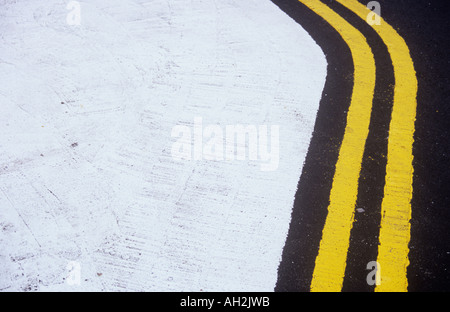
(114, 170)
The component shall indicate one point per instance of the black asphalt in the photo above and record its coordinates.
(424, 26)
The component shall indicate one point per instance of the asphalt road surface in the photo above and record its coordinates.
(396, 226)
(114, 166)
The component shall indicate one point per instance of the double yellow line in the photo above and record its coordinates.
(394, 237)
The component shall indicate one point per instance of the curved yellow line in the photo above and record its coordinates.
(396, 206)
(331, 260)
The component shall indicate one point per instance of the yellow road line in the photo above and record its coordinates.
(331, 261)
(396, 206)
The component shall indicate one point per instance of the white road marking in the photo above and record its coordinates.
(116, 202)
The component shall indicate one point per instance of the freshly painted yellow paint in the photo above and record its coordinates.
(396, 206)
(331, 261)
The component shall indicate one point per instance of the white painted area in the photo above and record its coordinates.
(116, 202)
